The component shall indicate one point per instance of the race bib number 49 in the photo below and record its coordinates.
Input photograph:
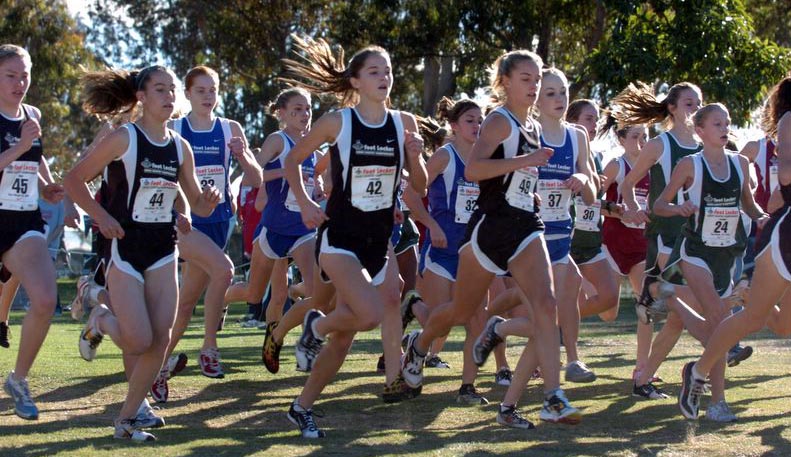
(212, 175)
(719, 226)
(154, 200)
(372, 187)
(520, 191)
(19, 186)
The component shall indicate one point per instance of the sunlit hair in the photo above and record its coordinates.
(505, 64)
(638, 104)
(777, 105)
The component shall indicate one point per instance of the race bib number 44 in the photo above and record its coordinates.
(372, 187)
(719, 226)
(555, 200)
(154, 200)
(212, 175)
(19, 186)
(520, 191)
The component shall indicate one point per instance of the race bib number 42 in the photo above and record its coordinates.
(212, 175)
(154, 200)
(19, 186)
(372, 187)
(719, 226)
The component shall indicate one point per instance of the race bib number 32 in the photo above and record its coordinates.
(372, 187)
(19, 186)
(154, 200)
(466, 202)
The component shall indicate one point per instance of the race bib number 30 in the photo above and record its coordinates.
(372, 187)
(520, 191)
(466, 202)
(587, 217)
(19, 186)
(555, 200)
(212, 175)
(719, 226)
(154, 200)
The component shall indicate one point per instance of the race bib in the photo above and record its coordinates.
(372, 187)
(19, 187)
(774, 183)
(719, 226)
(520, 191)
(555, 200)
(154, 200)
(587, 216)
(466, 202)
(291, 200)
(642, 201)
(400, 195)
(212, 175)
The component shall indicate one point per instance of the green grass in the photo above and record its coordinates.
(245, 412)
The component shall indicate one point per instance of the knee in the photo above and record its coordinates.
(369, 320)
(223, 271)
(610, 296)
(42, 303)
(609, 315)
(138, 344)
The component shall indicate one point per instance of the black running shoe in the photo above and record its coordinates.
(5, 334)
(303, 418)
(407, 315)
(691, 390)
(644, 302)
(510, 417)
(649, 391)
(469, 396)
(308, 346)
(486, 341)
(736, 355)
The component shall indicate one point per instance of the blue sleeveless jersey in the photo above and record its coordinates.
(212, 163)
(451, 200)
(555, 197)
(281, 213)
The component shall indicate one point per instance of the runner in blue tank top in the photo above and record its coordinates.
(214, 142)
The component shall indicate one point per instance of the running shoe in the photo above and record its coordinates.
(251, 323)
(649, 391)
(380, 364)
(486, 341)
(20, 393)
(644, 302)
(503, 377)
(160, 389)
(209, 362)
(147, 418)
(309, 345)
(398, 391)
(5, 335)
(176, 364)
(81, 297)
(578, 372)
(558, 409)
(270, 350)
(510, 417)
(720, 412)
(407, 316)
(303, 418)
(691, 390)
(434, 361)
(91, 336)
(739, 354)
(469, 396)
(129, 429)
(412, 362)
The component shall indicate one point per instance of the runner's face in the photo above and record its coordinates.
(688, 102)
(634, 140)
(553, 99)
(588, 119)
(159, 95)
(202, 95)
(715, 129)
(523, 84)
(14, 81)
(468, 125)
(375, 79)
(296, 114)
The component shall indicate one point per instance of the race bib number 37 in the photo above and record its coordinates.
(555, 200)
(154, 200)
(372, 187)
(19, 186)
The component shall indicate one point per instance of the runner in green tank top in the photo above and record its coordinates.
(715, 193)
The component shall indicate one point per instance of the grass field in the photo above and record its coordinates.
(245, 412)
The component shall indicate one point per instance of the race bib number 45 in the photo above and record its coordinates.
(154, 200)
(372, 187)
(19, 186)
(719, 226)
(212, 175)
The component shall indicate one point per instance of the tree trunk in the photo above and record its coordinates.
(431, 69)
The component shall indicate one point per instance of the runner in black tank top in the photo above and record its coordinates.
(23, 248)
(505, 234)
(146, 167)
(772, 275)
(369, 146)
